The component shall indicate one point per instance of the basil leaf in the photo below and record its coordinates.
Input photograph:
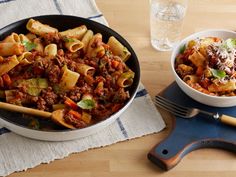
(69, 39)
(86, 104)
(29, 45)
(230, 43)
(218, 73)
(182, 49)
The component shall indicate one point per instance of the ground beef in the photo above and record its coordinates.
(54, 38)
(41, 104)
(101, 113)
(184, 70)
(75, 94)
(49, 96)
(72, 65)
(94, 62)
(32, 99)
(86, 88)
(47, 99)
(38, 70)
(75, 122)
(60, 60)
(120, 96)
(53, 72)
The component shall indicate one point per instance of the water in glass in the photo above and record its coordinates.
(166, 20)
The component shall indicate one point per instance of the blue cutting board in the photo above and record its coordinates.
(191, 134)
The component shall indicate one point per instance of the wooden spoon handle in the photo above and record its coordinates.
(21, 109)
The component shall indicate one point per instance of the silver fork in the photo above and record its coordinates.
(187, 112)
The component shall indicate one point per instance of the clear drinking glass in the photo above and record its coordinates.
(166, 21)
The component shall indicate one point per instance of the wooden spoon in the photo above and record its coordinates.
(55, 116)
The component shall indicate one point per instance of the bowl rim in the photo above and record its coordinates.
(102, 122)
(176, 51)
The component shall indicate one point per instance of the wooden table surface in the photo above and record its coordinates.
(130, 18)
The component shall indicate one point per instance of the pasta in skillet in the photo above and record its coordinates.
(73, 70)
(209, 65)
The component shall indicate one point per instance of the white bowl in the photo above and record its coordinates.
(217, 101)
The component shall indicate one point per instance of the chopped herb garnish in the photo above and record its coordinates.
(218, 73)
(230, 43)
(86, 104)
(69, 39)
(182, 49)
(29, 45)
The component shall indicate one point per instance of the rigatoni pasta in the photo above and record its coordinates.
(51, 50)
(125, 79)
(74, 70)
(77, 32)
(38, 28)
(93, 46)
(86, 38)
(118, 49)
(12, 38)
(38, 45)
(11, 48)
(73, 45)
(23, 56)
(8, 64)
(85, 69)
(23, 38)
(68, 80)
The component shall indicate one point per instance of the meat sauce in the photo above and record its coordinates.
(108, 99)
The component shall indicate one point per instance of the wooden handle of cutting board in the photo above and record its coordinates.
(167, 157)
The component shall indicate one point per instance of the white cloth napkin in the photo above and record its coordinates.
(18, 153)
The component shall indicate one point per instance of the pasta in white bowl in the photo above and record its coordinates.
(204, 67)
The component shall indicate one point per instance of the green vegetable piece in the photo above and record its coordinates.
(230, 43)
(68, 39)
(33, 86)
(34, 82)
(182, 49)
(34, 91)
(56, 89)
(218, 73)
(42, 83)
(29, 45)
(86, 104)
